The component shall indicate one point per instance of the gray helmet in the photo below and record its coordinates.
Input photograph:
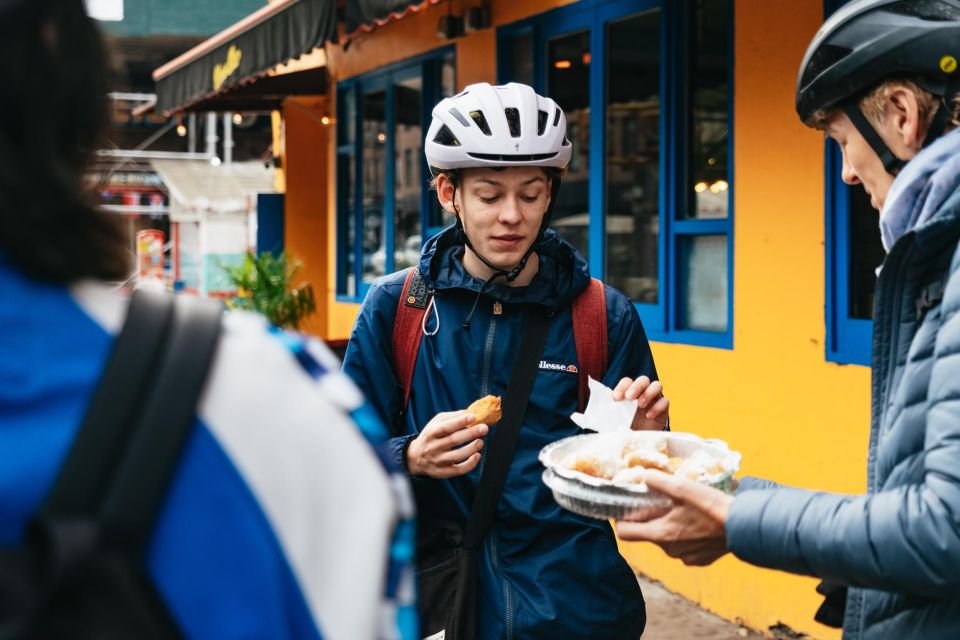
(868, 40)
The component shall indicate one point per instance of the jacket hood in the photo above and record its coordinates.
(562, 275)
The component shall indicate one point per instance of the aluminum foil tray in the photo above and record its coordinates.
(604, 500)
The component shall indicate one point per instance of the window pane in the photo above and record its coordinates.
(866, 253)
(633, 156)
(704, 265)
(374, 183)
(408, 141)
(448, 77)
(347, 118)
(521, 58)
(346, 184)
(710, 95)
(568, 82)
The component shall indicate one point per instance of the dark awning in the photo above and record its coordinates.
(235, 69)
(365, 15)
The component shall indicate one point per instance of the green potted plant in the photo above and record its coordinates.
(265, 283)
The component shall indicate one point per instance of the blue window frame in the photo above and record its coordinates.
(385, 211)
(647, 89)
(853, 253)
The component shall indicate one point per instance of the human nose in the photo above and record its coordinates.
(510, 211)
(847, 174)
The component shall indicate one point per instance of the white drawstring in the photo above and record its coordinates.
(436, 314)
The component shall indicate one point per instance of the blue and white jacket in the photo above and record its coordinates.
(283, 520)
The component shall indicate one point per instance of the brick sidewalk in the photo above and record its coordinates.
(671, 617)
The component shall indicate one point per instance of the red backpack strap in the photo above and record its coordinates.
(407, 329)
(590, 335)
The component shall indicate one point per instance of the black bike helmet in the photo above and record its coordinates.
(867, 41)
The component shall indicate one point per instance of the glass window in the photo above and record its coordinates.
(866, 253)
(383, 202)
(710, 112)
(568, 76)
(705, 283)
(408, 142)
(632, 191)
(374, 184)
(658, 189)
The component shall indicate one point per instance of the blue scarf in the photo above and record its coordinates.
(921, 188)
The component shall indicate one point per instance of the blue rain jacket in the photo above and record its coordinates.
(544, 571)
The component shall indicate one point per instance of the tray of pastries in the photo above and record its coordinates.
(600, 475)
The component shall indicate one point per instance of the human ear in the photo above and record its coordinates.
(445, 193)
(903, 119)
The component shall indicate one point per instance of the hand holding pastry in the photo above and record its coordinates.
(447, 447)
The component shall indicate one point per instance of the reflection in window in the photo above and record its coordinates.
(633, 155)
(710, 113)
(705, 282)
(521, 60)
(568, 76)
(866, 253)
(374, 183)
(408, 141)
(347, 169)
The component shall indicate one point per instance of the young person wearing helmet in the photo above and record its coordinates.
(497, 154)
(880, 78)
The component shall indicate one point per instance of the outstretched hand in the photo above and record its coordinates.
(693, 530)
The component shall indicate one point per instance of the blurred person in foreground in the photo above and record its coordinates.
(880, 78)
(259, 535)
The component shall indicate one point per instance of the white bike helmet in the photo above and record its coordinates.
(497, 126)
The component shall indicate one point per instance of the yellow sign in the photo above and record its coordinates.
(222, 71)
(948, 64)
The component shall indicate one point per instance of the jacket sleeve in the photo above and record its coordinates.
(627, 346)
(906, 539)
(369, 360)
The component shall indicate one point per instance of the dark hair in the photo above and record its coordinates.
(52, 116)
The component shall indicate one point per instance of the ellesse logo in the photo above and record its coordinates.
(556, 366)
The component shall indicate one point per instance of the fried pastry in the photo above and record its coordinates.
(595, 466)
(648, 459)
(486, 410)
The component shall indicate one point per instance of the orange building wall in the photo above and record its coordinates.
(796, 418)
(304, 153)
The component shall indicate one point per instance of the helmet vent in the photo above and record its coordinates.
(446, 138)
(498, 157)
(459, 116)
(542, 117)
(481, 121)
(824, 58)
(513, 121)
(556, 116)
(934, 10)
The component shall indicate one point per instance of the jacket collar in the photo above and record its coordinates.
(562, 275)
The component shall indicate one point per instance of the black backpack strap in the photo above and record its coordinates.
(142, 477)
(504, 440)
(113, 407)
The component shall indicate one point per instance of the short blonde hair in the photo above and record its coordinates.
(873, 103)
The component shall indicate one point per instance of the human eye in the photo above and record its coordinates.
(488, 198)
(530, 197)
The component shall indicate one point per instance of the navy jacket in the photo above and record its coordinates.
(544, 572)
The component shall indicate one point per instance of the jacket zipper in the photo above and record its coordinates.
(890, 330)
(491, 537)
